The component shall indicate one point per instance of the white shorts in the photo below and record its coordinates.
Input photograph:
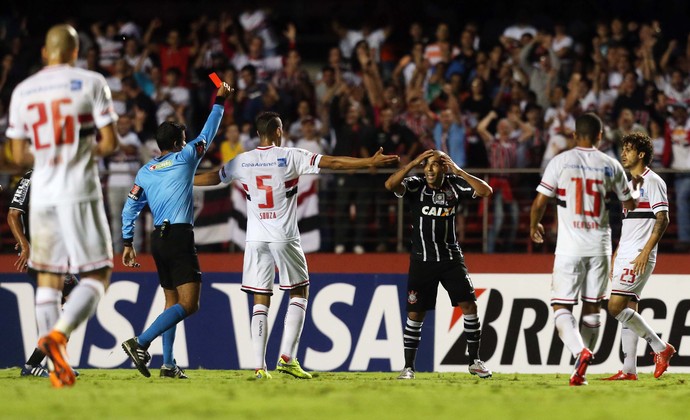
(70, 238)
(261, 259)
(624, 280)
(573, 276)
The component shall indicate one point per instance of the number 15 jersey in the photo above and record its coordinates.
(59, 109)
(269, 177)
(580, 179)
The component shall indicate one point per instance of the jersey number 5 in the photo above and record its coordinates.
(269, 191)
(63, 128)
(589, 190)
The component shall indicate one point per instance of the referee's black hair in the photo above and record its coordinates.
(588, 126)
(640, 142)
(169, 133)
(267, 123)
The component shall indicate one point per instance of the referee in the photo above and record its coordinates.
(433, 201)
(165, 184)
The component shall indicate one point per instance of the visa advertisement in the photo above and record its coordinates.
(354, 320)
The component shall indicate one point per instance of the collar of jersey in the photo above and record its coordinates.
(265, 147)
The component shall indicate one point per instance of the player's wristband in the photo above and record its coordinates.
(127, 243)
(219, 100)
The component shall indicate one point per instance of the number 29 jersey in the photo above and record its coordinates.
(269, 177)
(580, 179)
(59, 109)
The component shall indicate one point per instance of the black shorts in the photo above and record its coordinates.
(175, 255)
(423, 280)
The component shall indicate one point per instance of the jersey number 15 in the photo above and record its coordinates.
(589, 189)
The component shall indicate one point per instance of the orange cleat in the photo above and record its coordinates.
(53, 345)
(621, 376)
(661, 360)
(577, 380)
(583, 361)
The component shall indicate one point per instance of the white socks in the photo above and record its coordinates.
(629, 343)
(634, 321)
(81, 304)
(47, 309)
(259, 330)
(294, 321)
(590, 330)
(567, 330)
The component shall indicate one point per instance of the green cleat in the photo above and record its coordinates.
(292, 368)
(262, 374)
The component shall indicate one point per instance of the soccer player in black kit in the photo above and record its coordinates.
(433, 200)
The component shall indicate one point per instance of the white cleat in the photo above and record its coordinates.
(406, 373)
(478, 368)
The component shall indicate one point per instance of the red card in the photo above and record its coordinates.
(215, 79)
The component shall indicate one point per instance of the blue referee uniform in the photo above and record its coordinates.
(165, 183)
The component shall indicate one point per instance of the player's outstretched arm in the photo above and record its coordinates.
(480, 187)
(345, 162)
(536, 229)
(207, 179)
(394, 182)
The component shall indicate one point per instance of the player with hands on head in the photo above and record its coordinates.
(635, 257)
(165, 183)
(436, 257)
(269, 176)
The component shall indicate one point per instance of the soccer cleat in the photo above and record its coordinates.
(38, 371)
(478, 368)
(262, 374)
(292, 368)
(583, 361)
(661, 360)
(138, 354)
(577, 380)
(621, 376)
(407, 373)
(174, 372)
(53, 346)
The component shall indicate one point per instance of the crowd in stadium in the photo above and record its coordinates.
(504, 104)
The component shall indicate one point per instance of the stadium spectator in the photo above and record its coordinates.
(109, 44)
(678, 157)
(349, 38)
(583, 249)
(435, 51)
(436, 258)
(231, 145)
(542, 75)
(172, 53)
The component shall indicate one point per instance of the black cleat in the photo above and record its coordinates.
(139, 356)
(174, 372)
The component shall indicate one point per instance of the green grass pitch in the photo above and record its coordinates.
(209, 394)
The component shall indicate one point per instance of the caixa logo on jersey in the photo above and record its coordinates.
(518, 333)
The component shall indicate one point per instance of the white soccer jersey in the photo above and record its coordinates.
(269, 176)
(580, 179)
(639, 223)
(59, 109)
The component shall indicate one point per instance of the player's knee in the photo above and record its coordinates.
(616, 306)
(190, 307)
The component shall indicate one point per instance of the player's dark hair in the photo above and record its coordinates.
(588, 126)
(169, 133)
(640, 142)
(267, 123)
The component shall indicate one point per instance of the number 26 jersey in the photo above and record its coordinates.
(269, 177)
(59, 109)
(580, 179)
